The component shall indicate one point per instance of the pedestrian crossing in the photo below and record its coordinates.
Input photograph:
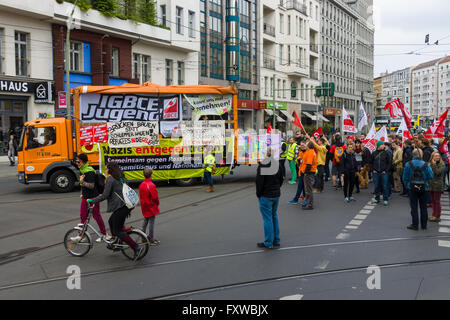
(444, 224)
(357, 221)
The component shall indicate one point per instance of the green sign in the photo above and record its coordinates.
(279, 105)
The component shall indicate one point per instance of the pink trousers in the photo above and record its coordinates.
(95, 214)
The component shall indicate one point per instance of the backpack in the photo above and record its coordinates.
(338, 153)
(130, 197)
(418, 178)
(100, 182)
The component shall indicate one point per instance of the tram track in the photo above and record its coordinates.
(17, 254)
(142, 265)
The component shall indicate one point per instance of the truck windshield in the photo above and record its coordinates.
(22, 136)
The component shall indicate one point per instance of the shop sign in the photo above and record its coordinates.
(329, 112)
(279, 105)
(16, 86)
(43, 93)
(249, 104)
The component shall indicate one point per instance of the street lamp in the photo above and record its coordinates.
(67, 62)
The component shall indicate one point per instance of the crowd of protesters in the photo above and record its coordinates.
(416, 168)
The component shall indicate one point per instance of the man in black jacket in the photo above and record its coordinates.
(381, 164)
(427, 149)
(268, 190)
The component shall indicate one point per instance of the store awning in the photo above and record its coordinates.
(309, 115)
(318, 115)
(288, 116)
(269, 112)
(280, 119)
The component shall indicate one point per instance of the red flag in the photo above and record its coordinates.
(444, 147)
(347, 123)
(397, 109)
(437, 130)
(297, 121)
(316, 134)
(269, 129)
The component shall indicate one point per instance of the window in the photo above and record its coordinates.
(179, 20)
(115, 64)
(281, 23)
(1, 50)
(180, 69)
(136, 66)
(163, 15)
(169, 72)
(76, 56)
(146, 67)
(41, 137)
(191, 24)
(21, 52)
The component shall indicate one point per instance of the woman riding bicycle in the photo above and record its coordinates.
(112, 192)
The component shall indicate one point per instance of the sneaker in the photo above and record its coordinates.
(302, 197)
(108, 237)
(316, 191)
(293, 202)
(276, 244)
(138, 252)
(411, 227)
(99, 240)
(434, 219)
(304, 203)
(347, 200)
(308, 208)
(75, 239)
(290, 182)
(375, 201)
(385, 203)
(352, 199)
(263, 245)
(155, 243)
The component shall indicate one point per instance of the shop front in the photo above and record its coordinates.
(21, 101)
(281, 117)
(250, 114)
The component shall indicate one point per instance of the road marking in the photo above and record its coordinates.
(445, 217)
(293, 297)
(343, 236)
(355, 222)
(443, 243)
(444, 223)
(444, 230)
(369, 207)
(361, 217)
(445, 212)
(351, 227)
(365, 211)
(323, 265)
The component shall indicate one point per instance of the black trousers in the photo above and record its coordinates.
(349, 184)
(117, 221)
(417, 200)
(319, 178)
(283, 166)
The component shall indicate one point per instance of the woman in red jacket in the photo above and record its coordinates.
(149, 205)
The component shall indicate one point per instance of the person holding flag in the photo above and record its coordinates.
(321, 147)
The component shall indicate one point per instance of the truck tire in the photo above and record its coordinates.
(186, 182)
(62, 181)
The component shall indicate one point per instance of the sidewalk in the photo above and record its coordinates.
(4, 159)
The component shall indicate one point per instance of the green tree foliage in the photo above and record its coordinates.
(107, 7)
(147, 11)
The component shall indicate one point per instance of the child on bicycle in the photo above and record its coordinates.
(112, 193)
(149, 205)
(89, 190)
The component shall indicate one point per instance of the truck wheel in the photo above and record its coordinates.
(185, 182)
(62, 181)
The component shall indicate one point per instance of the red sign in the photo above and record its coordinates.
(62, 102)
(251, 104)
(86, 136)
(170, 109)
(329, 112)
(100, 133)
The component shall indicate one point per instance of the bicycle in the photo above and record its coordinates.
(82, 247)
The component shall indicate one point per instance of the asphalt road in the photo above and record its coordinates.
(208, 248)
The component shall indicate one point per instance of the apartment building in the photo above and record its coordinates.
(395, 85)
(290, 58)
(347, 37)
(26, 78)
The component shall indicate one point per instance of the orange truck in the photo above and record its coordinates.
(48, 147)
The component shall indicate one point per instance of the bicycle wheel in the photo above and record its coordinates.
(141, 239)
(77, 249)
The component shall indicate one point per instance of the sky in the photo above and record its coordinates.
(401, 27)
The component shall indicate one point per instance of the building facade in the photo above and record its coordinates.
(289, 50)
(396, 85)
(229, 53)
(378, 92)
(26, 78)
(347, 55)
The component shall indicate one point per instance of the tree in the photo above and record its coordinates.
(147, 11)
(107, 7)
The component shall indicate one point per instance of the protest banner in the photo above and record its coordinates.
(201, 133)
(86, 136)
(133, 134)
(100, 133)
(204, 105)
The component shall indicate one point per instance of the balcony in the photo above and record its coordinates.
(295, 5)
(313, 74)
(268, 63)
(269, 30)
(314, 48)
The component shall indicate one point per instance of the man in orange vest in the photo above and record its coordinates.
(308, 170)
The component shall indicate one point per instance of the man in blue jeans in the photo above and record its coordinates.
(268, 184)
(381, 164)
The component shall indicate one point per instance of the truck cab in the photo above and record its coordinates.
(46, 152)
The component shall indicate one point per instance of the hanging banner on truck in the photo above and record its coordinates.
(204, 105)
(95, 107)
(100, 133)
(86, 136)
(169, 159)
(202, 133)
(133, 134)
